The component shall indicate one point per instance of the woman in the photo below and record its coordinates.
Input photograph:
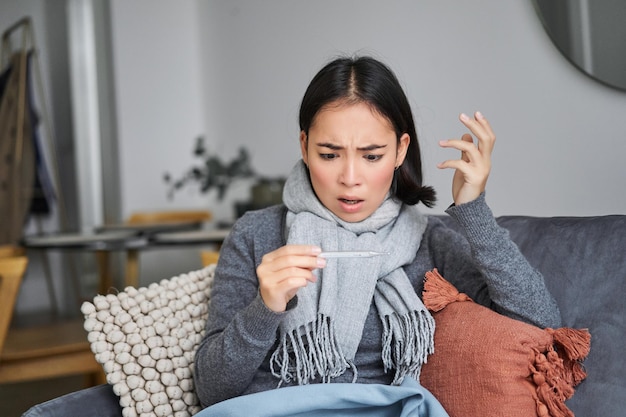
(282, 313)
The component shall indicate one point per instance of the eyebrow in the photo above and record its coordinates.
(334, 147)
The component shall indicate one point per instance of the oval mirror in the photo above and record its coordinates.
(591, 34)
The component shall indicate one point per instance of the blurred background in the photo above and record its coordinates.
(132, 85)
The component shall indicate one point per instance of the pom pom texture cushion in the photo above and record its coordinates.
(486, 364)
(146, 339)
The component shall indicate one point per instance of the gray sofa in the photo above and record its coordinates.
(583, 260)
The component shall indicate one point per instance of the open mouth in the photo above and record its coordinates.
(350, 202)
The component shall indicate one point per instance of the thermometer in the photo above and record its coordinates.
(352, 254)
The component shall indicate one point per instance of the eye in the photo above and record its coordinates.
(372, 158)
(328, 156)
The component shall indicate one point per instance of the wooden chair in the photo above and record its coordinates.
(173, 216)
(209, 257)
(9, 251)
(44, 351)
(157, 217)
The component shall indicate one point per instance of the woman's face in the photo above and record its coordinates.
(351, 152)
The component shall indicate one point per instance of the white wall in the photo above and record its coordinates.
(156, 51)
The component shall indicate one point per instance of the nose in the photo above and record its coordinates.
(349, 175)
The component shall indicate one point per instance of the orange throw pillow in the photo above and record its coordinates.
(486, 364)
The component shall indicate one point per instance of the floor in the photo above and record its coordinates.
(15, 399)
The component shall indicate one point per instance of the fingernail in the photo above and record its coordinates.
(479, 115)
(321, 262)
(316, 250)
(464, 117)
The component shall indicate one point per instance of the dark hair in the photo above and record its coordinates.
(366, 80)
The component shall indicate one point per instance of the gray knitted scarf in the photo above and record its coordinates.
(320, 336)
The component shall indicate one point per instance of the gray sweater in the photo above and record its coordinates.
(241, 332)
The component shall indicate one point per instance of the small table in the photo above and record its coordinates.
(128, 238)
(202, 236)
(100, 243)
(165, 239)
(149, 229)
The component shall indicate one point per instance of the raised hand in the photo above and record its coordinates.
(473, 167)
(284, 271)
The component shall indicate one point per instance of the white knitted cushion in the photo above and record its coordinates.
(146, 338)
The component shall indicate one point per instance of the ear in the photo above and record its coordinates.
(304, 147)
(403, 147)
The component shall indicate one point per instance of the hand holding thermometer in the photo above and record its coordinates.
(352, 254)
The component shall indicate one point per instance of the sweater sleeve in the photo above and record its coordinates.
(487, 265)
(240, 329)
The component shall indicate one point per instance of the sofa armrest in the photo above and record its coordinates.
(98, 401)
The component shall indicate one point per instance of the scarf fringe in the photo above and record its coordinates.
(321, 355)
(407, 341)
